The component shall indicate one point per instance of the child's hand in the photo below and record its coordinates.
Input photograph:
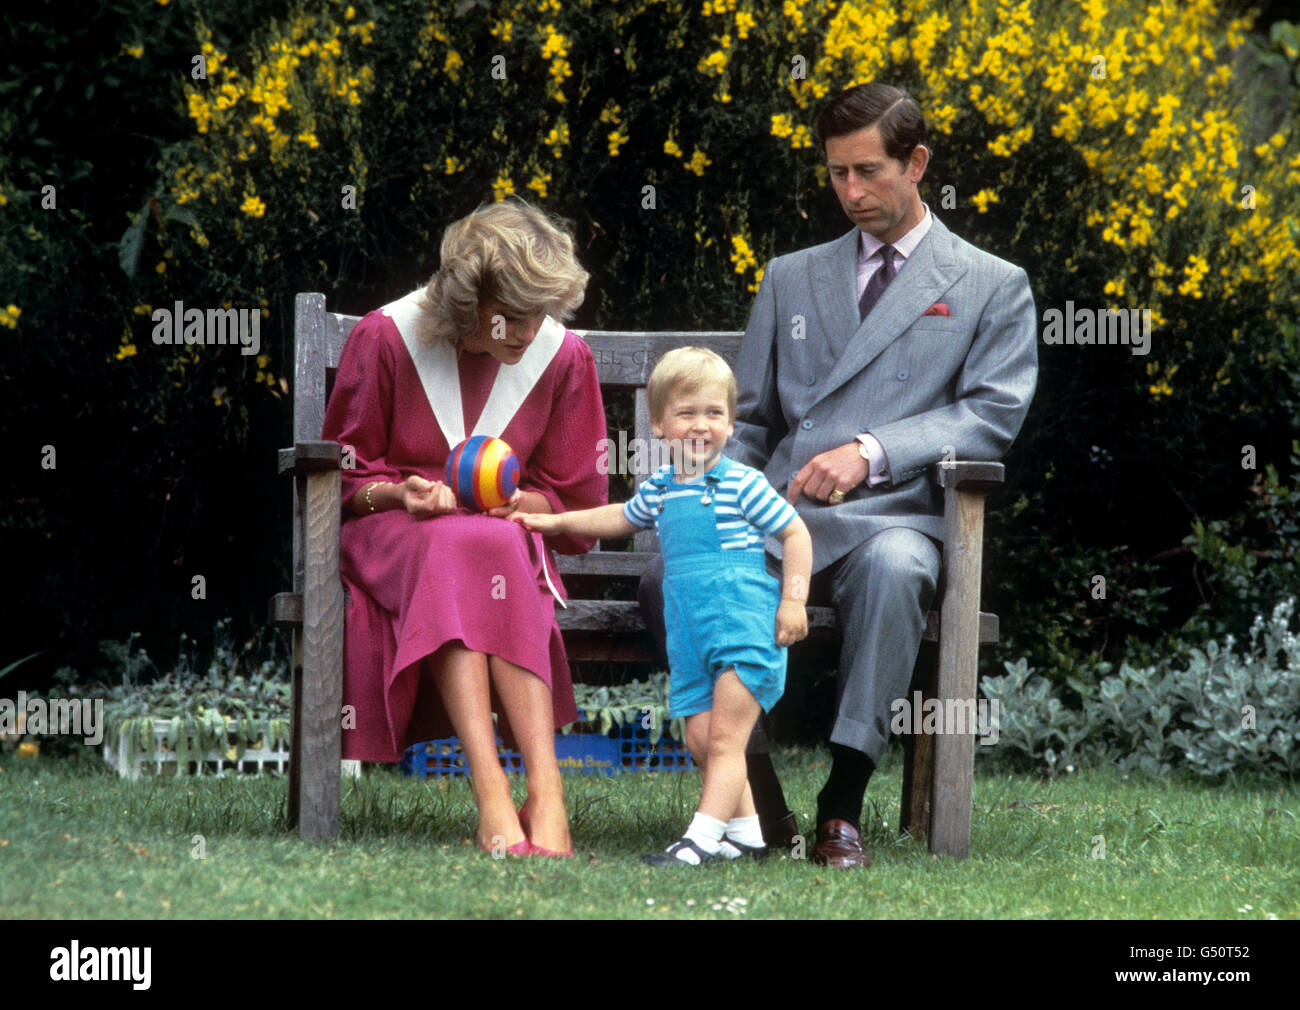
(791, 622)
(538, 522)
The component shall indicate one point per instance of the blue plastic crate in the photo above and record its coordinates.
(637, 754)
(441, 758)
(623, 749)
(587, 753)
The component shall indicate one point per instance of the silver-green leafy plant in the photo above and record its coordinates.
(1213, 710)
(634, 703)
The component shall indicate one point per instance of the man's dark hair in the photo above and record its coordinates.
(902, 126)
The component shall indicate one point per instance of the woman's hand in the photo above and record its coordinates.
(425, 499)
(522, 501)
(791, 622)
(509, 508)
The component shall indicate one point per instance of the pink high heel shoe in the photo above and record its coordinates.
(537, 850)
(523, 847)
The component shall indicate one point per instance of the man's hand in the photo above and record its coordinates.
(425, 499)
(840, 469)
(791, 622)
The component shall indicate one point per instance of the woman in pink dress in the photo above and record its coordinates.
(451, 612)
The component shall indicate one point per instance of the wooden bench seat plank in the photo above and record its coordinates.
(624, 617)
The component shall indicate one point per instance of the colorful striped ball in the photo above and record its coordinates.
(482, 472)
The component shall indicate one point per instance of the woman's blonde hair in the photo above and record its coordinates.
(510, 251)
(685, 370)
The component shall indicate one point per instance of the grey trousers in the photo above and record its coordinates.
(881, 591)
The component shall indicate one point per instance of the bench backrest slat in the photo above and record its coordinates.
(624, 360)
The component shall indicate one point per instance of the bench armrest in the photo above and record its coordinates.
(309, 457)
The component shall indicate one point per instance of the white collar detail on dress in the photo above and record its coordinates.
(436, 365)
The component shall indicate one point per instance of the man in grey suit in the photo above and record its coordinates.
(866, 361)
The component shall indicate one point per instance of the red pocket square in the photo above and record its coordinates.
(937, 309)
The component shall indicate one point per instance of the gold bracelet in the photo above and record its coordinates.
(370, 487)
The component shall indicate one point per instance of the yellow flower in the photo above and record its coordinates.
(556, 45)
(741, 255)
(454, 165)
(558, 137)
(29, 749)
(744, 22)
(199, 111)
(616, 140)
(1196, 268)
(451, 66)
(502, 188)
(983, 198)
(9, 316)
(252, 206)
(309, 138)
(781, 125)
(713, 63)
(539, 182)
(698, 162)
(670, 147)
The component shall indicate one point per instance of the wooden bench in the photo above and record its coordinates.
(936, 801)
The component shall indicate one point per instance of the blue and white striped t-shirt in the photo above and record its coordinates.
(747, 507)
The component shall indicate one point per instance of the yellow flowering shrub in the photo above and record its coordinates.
(1114, 148)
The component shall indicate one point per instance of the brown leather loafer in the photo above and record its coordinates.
(839, 845)
(780, 833)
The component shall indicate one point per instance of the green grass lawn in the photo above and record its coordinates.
(76, 842)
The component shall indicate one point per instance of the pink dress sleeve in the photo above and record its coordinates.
(563, 466)
(360, 410)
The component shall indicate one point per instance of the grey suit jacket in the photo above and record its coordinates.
(812, 377)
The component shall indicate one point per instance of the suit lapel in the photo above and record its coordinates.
(834, 279)
(925, 276)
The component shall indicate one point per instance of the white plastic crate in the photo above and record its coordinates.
(254, 761)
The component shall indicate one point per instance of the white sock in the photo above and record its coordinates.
(706, 832)
(744, 830)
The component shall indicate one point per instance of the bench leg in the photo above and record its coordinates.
(295, 731)
(320, 737)
(918, 755)
(954, 752)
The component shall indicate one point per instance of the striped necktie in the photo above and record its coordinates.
(878, 282)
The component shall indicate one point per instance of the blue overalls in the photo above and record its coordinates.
(719, 605)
